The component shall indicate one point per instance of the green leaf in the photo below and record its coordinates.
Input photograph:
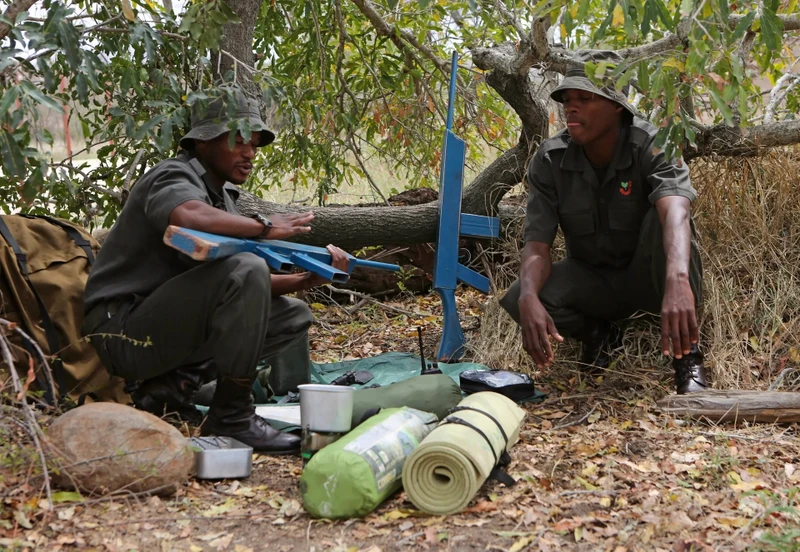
(148, 126)
(166, 135)
(13, 160)
(70, 44)
(47, 73)
(91, 72)
(9, 96)
(743, 25)
(130, 126)
(643, 75)
(82, 86)
(67, 496)
(42, 99)
(771, 28)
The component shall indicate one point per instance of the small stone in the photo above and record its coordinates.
(106, 447)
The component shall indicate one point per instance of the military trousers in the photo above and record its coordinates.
(577, 294)
(220, 311)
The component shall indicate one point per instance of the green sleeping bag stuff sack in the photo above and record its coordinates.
(351, 477)
(435, 393)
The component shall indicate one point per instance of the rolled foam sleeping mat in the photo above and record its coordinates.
(447, 469)
(436, 393)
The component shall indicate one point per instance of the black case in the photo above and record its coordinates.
(515, 386)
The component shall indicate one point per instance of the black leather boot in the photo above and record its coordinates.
(690, 372)
(232, 414)
(598, 341)
(170, 395)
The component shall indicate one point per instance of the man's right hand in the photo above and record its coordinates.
(537, 328)
(285, 226)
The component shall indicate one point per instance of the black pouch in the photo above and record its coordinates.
(516, 387)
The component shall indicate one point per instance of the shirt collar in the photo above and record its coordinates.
(575, 159)
(200, 170)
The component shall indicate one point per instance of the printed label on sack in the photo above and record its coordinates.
(386, 446)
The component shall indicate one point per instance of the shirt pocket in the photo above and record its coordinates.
(579, 235)
(625, 218)
(577, 223)
(625, 224)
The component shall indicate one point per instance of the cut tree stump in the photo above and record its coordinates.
(735, 406)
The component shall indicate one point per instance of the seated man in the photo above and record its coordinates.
(624, 209)
(176, 315)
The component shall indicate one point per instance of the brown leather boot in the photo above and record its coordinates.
(232, 414)
(690, 372)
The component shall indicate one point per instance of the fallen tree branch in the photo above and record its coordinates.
(743, 142)
(372, 299)
(579, 421)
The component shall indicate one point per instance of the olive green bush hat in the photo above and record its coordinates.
(576, 79)
(212, 122)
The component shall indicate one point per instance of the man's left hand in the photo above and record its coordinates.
(339, 260)
(678, 318)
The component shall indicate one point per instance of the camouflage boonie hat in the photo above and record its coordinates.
(576, 79)
(212, 122)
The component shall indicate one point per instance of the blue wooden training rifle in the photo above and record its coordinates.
(281, 256)
(447, 271)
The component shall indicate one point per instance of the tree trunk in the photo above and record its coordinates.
(355, 227)
(236, 47)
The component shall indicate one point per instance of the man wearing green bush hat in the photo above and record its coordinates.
(167, 323)
(625, 211)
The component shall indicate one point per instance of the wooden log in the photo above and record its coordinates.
(735, 406)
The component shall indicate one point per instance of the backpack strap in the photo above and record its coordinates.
(47, 323)
(74, 235)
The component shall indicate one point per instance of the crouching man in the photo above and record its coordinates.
(185, 322)
(624, 209)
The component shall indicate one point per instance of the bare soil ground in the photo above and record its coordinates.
(597, 468)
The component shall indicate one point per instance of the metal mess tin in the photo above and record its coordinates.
(221, 458)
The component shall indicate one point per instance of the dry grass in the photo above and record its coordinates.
(748, 220)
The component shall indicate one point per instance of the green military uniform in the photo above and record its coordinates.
(190, 312)
(615, 261)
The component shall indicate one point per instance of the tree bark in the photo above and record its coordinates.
(11, 13)
(735, 406)
(740, 142)
(355, 227)
(236, 47)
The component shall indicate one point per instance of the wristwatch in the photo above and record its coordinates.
(267, 225)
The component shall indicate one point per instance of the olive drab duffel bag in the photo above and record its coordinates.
(44, 265)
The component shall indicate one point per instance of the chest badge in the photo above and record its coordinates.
(626, 187)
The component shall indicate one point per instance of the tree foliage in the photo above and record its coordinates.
(348, 80)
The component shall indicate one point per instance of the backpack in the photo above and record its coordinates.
(44, 265)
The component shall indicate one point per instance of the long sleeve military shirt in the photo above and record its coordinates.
(600, 218)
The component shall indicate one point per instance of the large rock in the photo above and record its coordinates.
(106, 447)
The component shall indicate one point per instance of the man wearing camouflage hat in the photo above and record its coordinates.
(624, 209)
(180, 317)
